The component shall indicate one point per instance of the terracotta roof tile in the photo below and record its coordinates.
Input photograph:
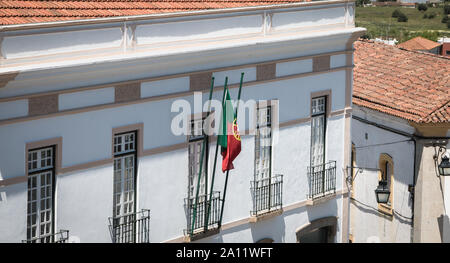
(407, 84)
(418, 43)
(38, 11)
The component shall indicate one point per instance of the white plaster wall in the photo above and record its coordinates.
(367, 223)
(338, 60)
(198, 29)
(87, 98)
(294, 67)
(57, 78)
(83, 145)
(281, 228)
(162, 185)
(234, 76)
(60, 42)
(304, 19)
(13, 213)
(84, 203)
(164, 198)
(12, 109)
(161, 87)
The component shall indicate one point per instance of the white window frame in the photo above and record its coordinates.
(195, 143)
(318, 124)
(124, 180)
(263, 112)
(40, 198)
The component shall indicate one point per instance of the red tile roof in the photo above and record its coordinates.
(37, 11)
(418, 43)
(408, 84)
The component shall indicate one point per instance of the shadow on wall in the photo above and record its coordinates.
(373, 210)
(273, 228)
(444, 228)
(319, 217)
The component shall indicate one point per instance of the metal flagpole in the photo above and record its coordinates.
(201, 161)
(215, 158)
(228, 171)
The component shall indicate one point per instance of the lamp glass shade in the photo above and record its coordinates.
(444, 167)
(382, 193)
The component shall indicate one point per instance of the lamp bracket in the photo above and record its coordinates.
(351, 178)
(439, 152)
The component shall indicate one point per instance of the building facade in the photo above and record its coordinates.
(400, 132)
(88, 109)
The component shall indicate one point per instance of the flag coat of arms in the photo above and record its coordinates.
(229, 138)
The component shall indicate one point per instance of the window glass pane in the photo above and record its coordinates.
(124, 143)
(318, 105)
(318, 131)
(263, 145)
(123, 186)
(40, 159)
(39, 208)
(194, 167)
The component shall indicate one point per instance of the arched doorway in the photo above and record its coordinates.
(322, 230)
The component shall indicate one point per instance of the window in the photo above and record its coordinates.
(318, 127)
(263, 145)
(196, 138)
(266, 189)
(124, 191)
(40, 206)
(386, 165)
(321, 174)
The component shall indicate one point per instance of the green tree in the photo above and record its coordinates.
(446, 9)
(402, 18)
(445, 19)
(422, 7)
(396, 13)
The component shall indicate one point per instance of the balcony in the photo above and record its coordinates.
(131, 228)
(61, 237)
(322, 180)
(267, 195)
(200, 229)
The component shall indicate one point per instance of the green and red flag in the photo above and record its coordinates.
(229, 138)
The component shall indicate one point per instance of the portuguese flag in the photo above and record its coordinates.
(229, 138)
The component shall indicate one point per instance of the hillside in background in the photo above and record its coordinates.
(380, 24)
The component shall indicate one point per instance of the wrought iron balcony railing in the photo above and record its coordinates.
(132, 228)
(322, 179)
(267, 195)
(202, 212)
(61, 237)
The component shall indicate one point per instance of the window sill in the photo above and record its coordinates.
(265, 216)
(320, 200)
(200, 235)
(386, 209)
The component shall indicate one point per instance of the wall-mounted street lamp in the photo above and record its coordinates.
(382, 192)
(444, 166)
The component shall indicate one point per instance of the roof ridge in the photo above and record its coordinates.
(407, 50)
(434, 111)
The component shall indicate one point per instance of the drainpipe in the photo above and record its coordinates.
(413, 192)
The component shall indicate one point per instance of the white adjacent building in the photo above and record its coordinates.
(400, 132)
(88, 151)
